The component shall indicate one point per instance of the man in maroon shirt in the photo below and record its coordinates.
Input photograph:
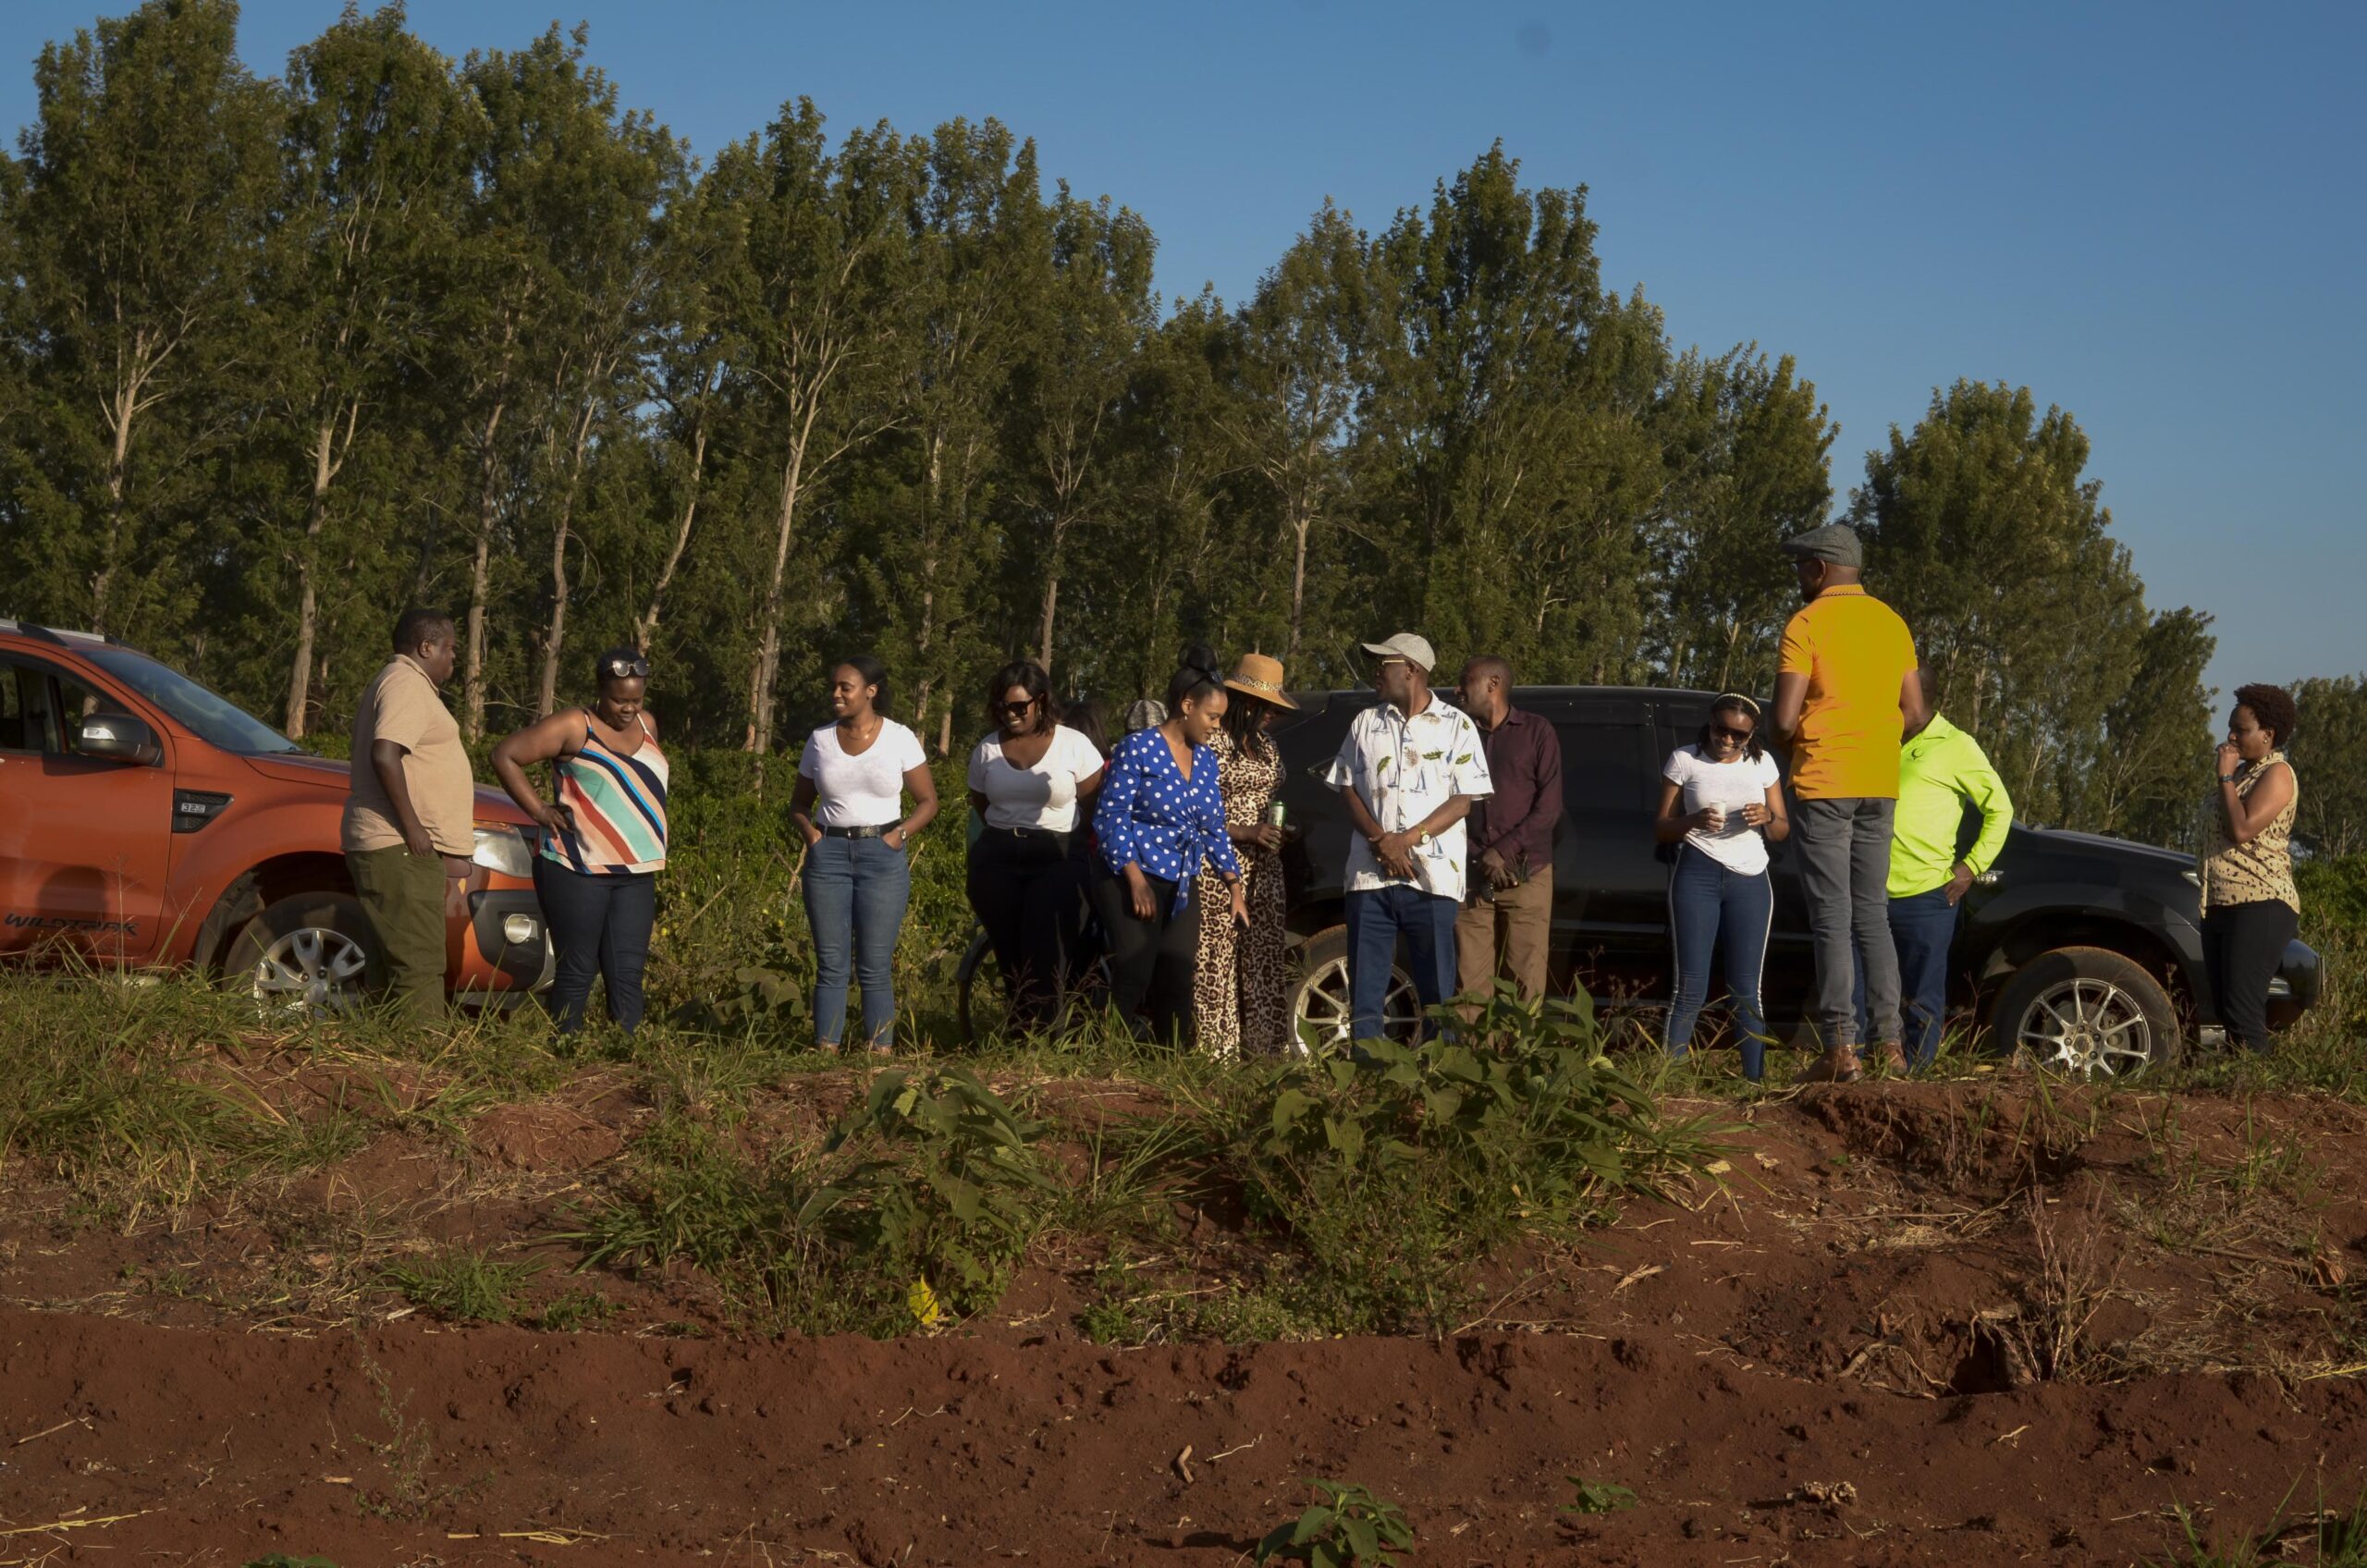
(1507, 919)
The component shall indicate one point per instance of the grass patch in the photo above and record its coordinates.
(465, 1284)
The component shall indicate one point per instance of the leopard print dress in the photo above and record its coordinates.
(1242, 992)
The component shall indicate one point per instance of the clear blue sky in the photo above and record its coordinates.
(2155, 216)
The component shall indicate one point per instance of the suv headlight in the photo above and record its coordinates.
(505, 850)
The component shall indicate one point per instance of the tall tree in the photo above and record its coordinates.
(1511, 417)
(1746, 446)
(2144, 781)
(1087, 324)
(821, 317)
(1988, 537)
(138, 208)
(373, 156)
(1303, 357)
(2329, 756)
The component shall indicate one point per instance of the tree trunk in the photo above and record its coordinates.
(555, 638)
(762, 679)
(481, 575)
(127, 408)
(1298, 584)
(647, 624)
(1051, 604)
(300, 672)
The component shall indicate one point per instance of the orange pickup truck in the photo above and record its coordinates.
(145, 821)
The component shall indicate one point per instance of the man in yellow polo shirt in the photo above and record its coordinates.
(1846, 688)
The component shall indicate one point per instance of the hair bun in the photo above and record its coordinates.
(1201, 659)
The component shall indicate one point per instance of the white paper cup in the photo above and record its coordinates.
(1717, 816)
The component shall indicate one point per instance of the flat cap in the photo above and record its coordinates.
(1405, 646)
(1836, 542)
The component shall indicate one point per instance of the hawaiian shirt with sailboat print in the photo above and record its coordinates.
(1405, 769)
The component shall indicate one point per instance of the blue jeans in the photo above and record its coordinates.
(1376, 919)
(1922, 927)
(855, 893)
(1710, 905)
(599, 926)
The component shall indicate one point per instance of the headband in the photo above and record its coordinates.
(1722, 698)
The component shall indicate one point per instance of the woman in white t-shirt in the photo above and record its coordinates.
(1721, 804)
(1031, 780)
(849, 804)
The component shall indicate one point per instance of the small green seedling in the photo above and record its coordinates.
(1598, 1497)
(1349, 1527)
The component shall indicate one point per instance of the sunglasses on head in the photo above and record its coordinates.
(625, 669)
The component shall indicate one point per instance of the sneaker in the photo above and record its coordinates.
(1838, 1065)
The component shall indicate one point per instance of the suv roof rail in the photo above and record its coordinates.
(50, 634)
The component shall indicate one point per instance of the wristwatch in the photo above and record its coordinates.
(1423, 837)
(2227, 778)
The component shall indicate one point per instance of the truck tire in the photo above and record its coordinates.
(2088, 1012)
(305, 953)
(1319, 997)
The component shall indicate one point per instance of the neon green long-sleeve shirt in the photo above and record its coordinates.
(1941, 772)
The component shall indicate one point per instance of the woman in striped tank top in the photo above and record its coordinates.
(603, 837)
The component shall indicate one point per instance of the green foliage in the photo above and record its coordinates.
(917, 1207)
(1986, 531)
(465, 1284)
(402, 327)
(1598, 1497)
(1349, 1527)
(2329, 752)
(1393, 1170)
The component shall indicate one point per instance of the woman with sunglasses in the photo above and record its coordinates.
(1029, 780)
(603, 839)
(849, 803)
(1721, 805)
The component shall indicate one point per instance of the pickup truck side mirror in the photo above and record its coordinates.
(119, 737)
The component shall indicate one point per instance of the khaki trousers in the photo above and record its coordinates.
(402, 895)
(1508, 937)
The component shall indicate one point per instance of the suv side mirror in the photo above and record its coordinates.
(119, 737)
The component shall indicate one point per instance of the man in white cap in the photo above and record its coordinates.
(1409, 769)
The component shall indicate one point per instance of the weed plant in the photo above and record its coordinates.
(1349, 1525)
(1392, 1171)
(465, 1284)
(918, 1206)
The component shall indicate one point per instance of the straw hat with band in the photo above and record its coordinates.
(1259, 676)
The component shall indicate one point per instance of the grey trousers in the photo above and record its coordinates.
(1845, 872)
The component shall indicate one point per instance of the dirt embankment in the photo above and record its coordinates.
(1922, 1324)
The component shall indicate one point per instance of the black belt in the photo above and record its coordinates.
(1023, 834)
(879, 832)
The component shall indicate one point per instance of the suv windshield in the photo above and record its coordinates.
(209, 717)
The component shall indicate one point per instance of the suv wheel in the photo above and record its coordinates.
(1319, 996)
(304, 953)
(2088, 1012)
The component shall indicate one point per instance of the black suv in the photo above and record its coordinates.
(2084, 949)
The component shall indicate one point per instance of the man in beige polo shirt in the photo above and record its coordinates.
(409, 824)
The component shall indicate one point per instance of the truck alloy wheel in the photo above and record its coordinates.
(1320, 996)
(2088, 1012)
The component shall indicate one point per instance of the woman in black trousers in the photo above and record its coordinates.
(1159, 823)
(2250, 908)
(1031, 780)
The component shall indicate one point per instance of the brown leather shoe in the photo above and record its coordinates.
(1838, 1065)
(1891, 1057)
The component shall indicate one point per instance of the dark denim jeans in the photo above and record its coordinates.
(599, 926)
(855, 894)
(1710, 906)
(1922, 928)
(1844, 846)
(1376, 920)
